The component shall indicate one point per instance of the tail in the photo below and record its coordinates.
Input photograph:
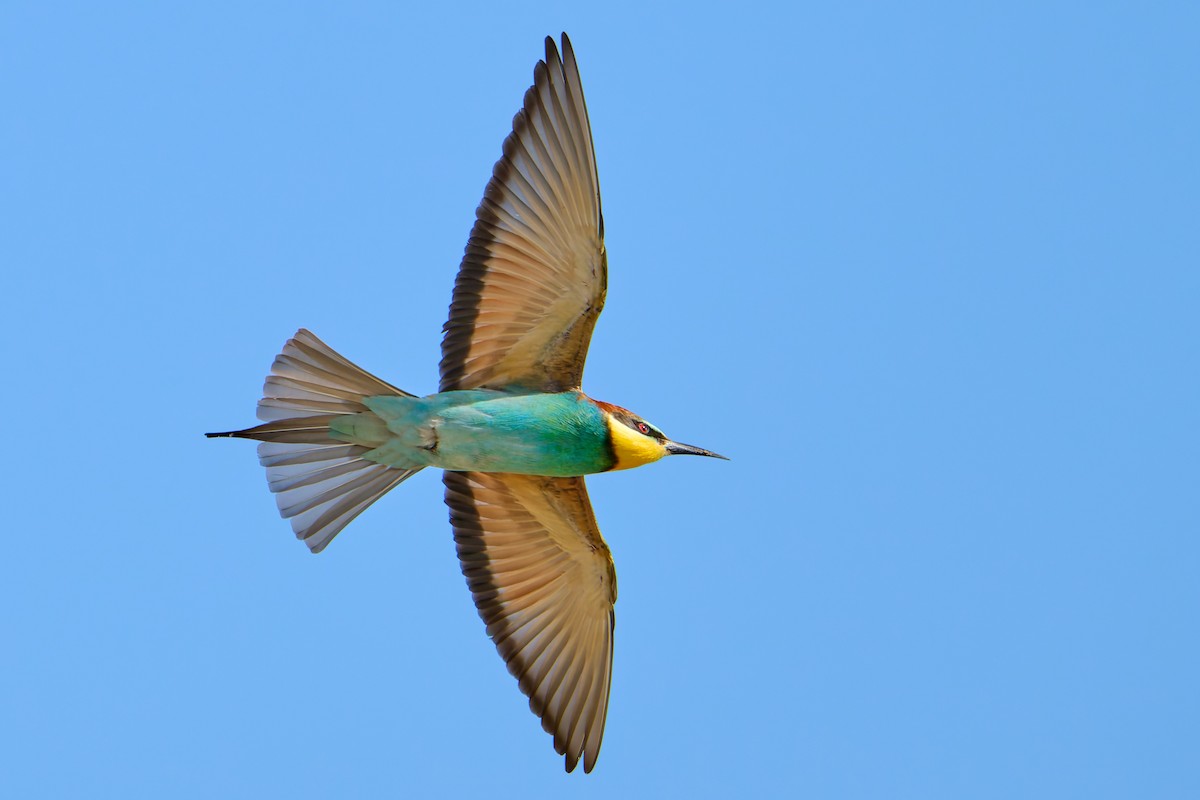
(320, 483)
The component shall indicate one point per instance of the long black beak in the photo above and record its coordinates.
(677, 449)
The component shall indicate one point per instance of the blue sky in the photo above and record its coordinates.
(929, 273)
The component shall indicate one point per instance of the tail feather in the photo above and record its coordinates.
(309, 378)
(320, 483)
(284, 480)
(318, 520)
(294, 430)
(322, 488)
(272, 407)
(284, 457)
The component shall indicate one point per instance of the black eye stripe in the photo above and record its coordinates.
(640, 425)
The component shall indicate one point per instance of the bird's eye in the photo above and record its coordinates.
(643, 428)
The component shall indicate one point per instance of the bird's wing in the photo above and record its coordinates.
(543, 581)
(533, 278)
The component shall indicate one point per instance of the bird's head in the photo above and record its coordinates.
(636, 442)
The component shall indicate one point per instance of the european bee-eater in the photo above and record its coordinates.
(509, 424)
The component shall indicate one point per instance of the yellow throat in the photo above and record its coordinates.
(630, 447)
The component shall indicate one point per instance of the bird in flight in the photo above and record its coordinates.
(509, 424)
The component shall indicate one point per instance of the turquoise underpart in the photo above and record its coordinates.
(561, 434)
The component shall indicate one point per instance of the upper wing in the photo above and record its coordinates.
(534, 275)
(543, 581)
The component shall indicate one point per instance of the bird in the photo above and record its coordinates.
(510, 425)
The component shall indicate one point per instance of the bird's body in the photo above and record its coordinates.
(510, 425)
(559, 434)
